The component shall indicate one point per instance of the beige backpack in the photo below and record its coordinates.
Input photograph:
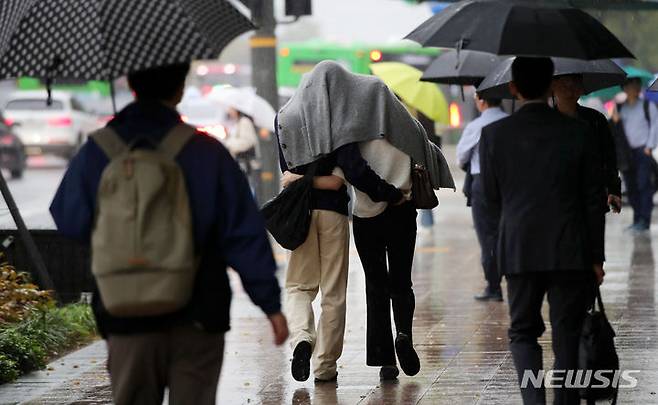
(142, 243)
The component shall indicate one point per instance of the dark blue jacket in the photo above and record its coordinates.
(228, 227)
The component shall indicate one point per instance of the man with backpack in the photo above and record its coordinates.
(165, 210)
(636, 131)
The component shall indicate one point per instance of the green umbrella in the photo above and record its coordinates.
(605, 94)
(632, 72)
(636, 73)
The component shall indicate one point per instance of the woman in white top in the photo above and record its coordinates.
(242, 137)
(242, 141)
(385, 237)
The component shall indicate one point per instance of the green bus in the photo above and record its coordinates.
(99, 87)
(295, 59)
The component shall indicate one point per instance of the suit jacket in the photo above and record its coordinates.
(605, 143)
(541, 175)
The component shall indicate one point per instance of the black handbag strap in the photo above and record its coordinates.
(599, 300)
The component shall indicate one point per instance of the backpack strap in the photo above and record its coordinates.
(647, 113)
(176, 139)
(109, 141)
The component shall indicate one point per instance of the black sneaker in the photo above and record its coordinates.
(388, 373)
(488, 295)
(407, 356)
(327, 380)
(301, 361)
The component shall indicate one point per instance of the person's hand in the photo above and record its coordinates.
(289, 178)
(647, 151)
(614, 201)
(599, 273)
(279, 327)
(615, 115)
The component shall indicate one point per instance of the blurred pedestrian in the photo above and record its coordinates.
(485, 219)
(636, 122)
(182, 349)
(537, 172)
(242, 142)
(321, 263)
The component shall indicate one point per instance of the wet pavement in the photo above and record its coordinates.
(462, 343)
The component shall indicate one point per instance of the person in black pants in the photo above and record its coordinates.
(391, 235)
(321, 263)
(541, 174)
(484, 220)
(636, 125)
(568, 89)
(385, 237)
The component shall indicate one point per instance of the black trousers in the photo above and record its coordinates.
(639, 187)
(392, 235)
(486, 228)
(569, 294)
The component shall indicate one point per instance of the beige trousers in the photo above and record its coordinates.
(321, 263)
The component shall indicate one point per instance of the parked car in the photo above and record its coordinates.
(12, 150)
(59, 128)
(206, 115)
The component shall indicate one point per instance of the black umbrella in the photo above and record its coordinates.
(597, 75)
(595, 4)
(519, 28)
(465, 68)
(105, 39)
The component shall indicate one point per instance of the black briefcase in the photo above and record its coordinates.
(597, 352)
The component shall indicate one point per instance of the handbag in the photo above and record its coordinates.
(422, 193)
(597, 352)
(288, 215)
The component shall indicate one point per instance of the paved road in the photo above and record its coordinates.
(34, 192)
(462, 343)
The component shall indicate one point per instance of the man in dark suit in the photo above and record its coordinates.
(539, 175)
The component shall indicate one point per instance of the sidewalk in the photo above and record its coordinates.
(462, 343)
(79, 377)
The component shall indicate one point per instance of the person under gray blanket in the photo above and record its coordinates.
(321, 263)
(334, 107)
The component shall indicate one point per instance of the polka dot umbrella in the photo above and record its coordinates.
(106, 39)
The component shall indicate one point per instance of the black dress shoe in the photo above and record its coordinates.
(488, 295)
(301, 361)
(407, 356)
(327, 380)
(388, 373)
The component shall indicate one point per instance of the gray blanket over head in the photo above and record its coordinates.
(334, 107)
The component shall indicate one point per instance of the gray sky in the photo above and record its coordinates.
(363, 20)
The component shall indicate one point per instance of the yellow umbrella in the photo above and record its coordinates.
(404, 80)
